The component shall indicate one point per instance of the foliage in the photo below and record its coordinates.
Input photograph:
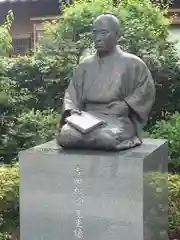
(174, 202)
(26, 130)
(169, 128)
(158, 188)
(9, 199)
(12, 103)
(12, 98)
(5, 37)
(41, 80)
(20, 127)
(144, 33)
(23, 121)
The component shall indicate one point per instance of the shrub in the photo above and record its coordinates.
(28, 129)
(169, 128)
(174, 206)
(40, 78)
(22, 125)
(144, 33)
(9, 201)
(5, 37)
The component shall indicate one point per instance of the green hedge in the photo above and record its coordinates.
(41, 79)
(169, 128)
(26, 130)
(5, 37)
(174, 202)
(9, 201)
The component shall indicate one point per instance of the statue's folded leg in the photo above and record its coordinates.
(69, 137)
(129, 143)
(113, 138)
(103, 138)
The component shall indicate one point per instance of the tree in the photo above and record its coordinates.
(5, 37)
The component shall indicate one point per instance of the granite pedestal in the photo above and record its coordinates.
(92, 195)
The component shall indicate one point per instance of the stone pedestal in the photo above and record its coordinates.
(92, 195)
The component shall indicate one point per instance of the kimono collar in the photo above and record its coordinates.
(117, 52)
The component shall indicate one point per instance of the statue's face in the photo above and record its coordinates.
(103, 35)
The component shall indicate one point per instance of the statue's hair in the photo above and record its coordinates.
(112, 19)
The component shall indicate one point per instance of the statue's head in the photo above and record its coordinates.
(106, 31)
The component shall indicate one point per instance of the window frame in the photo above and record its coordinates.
(23, 36)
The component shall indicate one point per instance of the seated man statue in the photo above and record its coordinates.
(112, 85)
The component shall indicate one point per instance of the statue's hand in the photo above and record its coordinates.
(76, 112)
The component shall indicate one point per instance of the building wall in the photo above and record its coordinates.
(24, 11)
(22, 29)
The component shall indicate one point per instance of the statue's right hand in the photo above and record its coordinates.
(78, 112)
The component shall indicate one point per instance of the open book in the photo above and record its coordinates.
(85, 122)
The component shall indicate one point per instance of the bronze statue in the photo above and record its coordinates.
(113, 85)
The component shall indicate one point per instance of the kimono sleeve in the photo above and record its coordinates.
(72, 97)
(143, 96)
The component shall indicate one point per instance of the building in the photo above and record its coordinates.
(29, 15)
(28, 18)
(175, 26)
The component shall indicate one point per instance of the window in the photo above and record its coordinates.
(39, 27)
(38, 30)
(21, 44)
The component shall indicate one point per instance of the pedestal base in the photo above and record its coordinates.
(92, 195)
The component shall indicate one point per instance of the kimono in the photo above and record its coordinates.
(117, 88)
